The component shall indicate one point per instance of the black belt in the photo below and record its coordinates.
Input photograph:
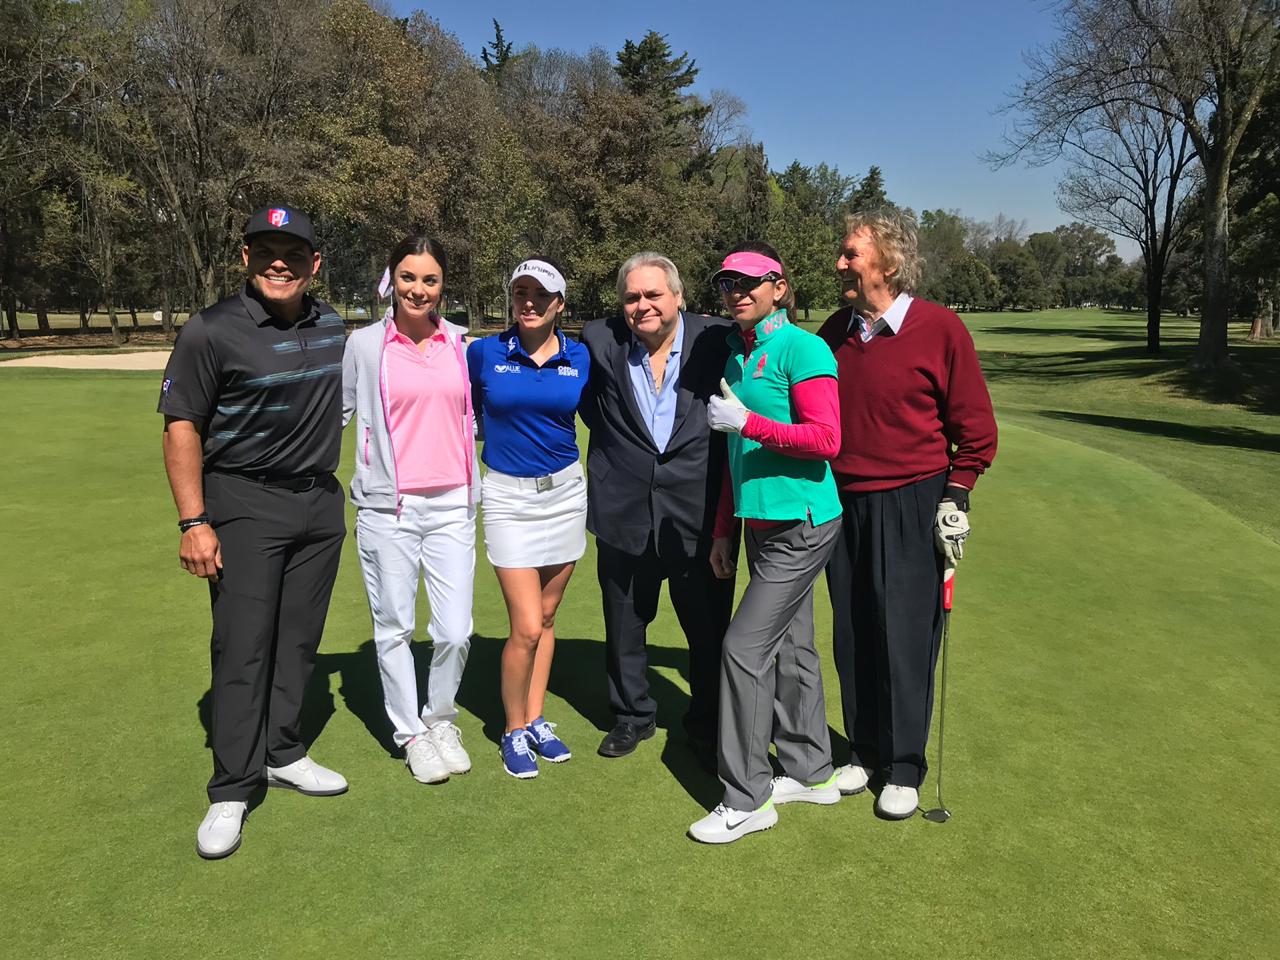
(293, 484)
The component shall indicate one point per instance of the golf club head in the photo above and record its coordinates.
(940, 815)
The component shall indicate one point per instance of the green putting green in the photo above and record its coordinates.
(1112, 763)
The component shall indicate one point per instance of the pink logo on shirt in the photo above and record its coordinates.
(760, 367)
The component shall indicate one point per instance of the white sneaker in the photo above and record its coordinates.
(791, 790)
(424, 760)
(851, 779)
(897, 803)
(307, 777)
(448, 742)
(218, 835)
(724, 824)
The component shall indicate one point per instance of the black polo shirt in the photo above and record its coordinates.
(269, 393)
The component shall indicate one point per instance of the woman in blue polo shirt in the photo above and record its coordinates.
(780, 408)
(527, 382)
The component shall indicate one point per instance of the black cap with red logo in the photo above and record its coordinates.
(280, 219)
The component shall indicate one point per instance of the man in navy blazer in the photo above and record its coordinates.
(654, 471)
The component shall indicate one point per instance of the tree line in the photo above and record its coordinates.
(136, 138)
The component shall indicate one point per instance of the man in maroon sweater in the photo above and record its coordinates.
(917, 431)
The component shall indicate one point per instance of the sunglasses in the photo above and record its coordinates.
(728, 285)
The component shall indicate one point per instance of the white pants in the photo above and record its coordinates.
(434, 537)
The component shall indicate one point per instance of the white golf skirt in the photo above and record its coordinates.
(534, 521)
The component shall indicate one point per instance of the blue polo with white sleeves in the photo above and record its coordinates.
(528, 410)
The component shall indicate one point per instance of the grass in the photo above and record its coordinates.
(1111, 758)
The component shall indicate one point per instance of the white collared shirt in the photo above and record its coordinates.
(891, 318)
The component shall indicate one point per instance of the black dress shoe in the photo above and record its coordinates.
(624, 738)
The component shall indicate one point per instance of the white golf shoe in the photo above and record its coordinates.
(724, 824)
(218, 835)
(897, 803)
(448, 742)
(791, 790)
(851, 779)
(424, 760)
(307, 777)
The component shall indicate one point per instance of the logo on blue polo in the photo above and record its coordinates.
(506, 368)
(567, 371)
(277, 216)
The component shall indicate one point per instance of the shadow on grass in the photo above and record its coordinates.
(1239, 437)
(1252, 379)
(577, 676)
(1122, 362)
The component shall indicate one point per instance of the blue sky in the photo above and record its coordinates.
(912, 86)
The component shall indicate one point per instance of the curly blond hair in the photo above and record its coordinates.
(894, 234)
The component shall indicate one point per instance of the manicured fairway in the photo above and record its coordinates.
(1112, 763)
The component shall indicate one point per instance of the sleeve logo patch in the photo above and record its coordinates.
(168, 382)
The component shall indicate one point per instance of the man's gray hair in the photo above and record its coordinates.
(648, 258)
(894, 234)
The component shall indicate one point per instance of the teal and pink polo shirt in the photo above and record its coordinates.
(768, 485)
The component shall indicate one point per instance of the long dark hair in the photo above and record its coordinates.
(787, 303)
(414, 245)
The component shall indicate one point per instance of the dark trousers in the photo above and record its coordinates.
(629, 588)
(280, 552)
(885, 581)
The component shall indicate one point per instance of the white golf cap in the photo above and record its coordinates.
(552, 280)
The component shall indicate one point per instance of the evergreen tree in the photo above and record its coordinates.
(870, 193)
(495, 54)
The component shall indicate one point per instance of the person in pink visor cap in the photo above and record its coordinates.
(778, 406)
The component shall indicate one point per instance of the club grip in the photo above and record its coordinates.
(948, 586)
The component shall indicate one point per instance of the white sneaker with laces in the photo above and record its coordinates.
(218, 835)
(851, 779)
(424, 760)
(448, 743)
(897, 803)
(724, 824)
(791, 790)
(307, 777)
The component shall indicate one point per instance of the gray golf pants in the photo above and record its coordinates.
(770, 673)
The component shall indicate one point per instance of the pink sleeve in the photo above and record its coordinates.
(816, 433)
(726, 524)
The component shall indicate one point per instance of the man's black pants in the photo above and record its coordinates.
(885, 582)
(629, 588)
(280, 551)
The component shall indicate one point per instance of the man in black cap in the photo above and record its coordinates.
(253, 418)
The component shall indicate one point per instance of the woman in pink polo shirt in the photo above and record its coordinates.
(415, 486)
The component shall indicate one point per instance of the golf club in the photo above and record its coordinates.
(941, 814)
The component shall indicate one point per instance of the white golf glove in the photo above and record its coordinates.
(950, 528)
(726, 412)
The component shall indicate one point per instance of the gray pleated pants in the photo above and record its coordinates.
(770, 672)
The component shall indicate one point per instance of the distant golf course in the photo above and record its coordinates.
(1112, 751)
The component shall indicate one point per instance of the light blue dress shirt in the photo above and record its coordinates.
(657, 407)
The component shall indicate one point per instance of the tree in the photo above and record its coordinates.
(1020, 282)
(649, 70)
(870, 193)
(1051, 259)
(1132, 169)
(1203, 63)
(495, 54)
(805, 238)
(942, 238)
